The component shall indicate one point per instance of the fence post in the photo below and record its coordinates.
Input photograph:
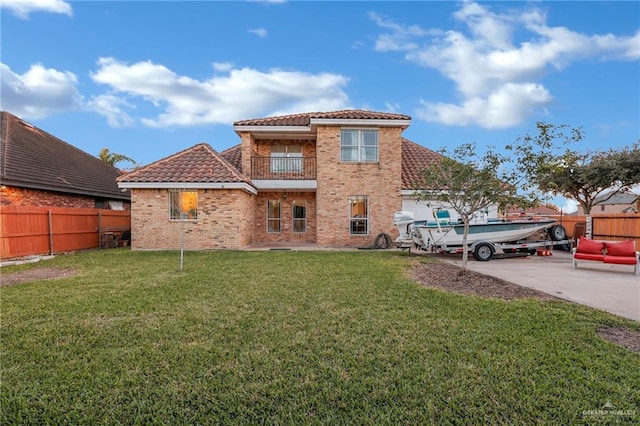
(50, 232)
(99, 230)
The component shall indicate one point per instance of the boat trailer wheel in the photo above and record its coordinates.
(483, 252)
(557, 233)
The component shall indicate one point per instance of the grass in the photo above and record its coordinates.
(296, 338)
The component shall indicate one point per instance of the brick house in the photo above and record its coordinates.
(333, 179)
(622, 202)
(38, 169)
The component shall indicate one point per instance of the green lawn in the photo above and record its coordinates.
(296, 338)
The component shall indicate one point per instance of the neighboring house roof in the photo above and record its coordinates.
(305, 119)
(198, 165)
(619, 198)
(35, 159)
(415, 158)
(539, 210)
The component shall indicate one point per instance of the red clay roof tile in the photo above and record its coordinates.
(197, 164)
(304, 119)
(415, 158)
(233, 156)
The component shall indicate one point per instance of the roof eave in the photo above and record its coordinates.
(189, 185)
(66, 190)
(271, 129)
(360, 122)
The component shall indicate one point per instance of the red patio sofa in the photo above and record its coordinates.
(612, 252)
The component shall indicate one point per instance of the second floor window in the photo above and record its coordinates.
(359, 146)
(286, 159)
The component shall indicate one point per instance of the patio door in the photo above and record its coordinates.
(286, 159)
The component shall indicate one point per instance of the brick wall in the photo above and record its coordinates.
(13, 196)
(233, 219)
(263, 146)
(286, 226)
(380, 182)
(248, 150)
(225, 221)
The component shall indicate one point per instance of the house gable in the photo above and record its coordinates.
(197, 167)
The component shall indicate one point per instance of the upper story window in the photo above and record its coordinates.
(359, 146)
(183, 205)
(286, 158)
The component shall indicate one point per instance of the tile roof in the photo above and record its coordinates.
(197, 164)
(618, 198)
(415, 158)
(233, 156)
(304, 119)
(33, 158)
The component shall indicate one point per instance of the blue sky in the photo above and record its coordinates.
(149, 78)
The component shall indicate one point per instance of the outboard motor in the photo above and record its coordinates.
(403, 220)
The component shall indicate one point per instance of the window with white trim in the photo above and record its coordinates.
(183, 205)
(358, 215)
(273, 217)
(286, 159)
(299, 213)
(359, 146)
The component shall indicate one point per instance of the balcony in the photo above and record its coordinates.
(283, 168)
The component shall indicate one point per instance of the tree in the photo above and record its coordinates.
(469, 183)
(113, 158)
(590, 178)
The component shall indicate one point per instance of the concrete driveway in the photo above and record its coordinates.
(611, 288)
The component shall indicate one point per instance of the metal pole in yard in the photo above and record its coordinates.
(183, 218)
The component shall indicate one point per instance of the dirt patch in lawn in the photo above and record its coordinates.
(623, 336)
(446, 276)
(35, 274)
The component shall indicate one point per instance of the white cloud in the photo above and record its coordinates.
(38, 92)
(112, 107)
(240, 93)
(260, 32)
(567, 205)
(491, 70)
(22, 8)
(506, 107)
(392, 106)
(401, 36)
(222, 66)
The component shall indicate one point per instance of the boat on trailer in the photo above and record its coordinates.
(485, 238)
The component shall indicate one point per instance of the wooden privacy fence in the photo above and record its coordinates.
(28, 231)
(621, 226)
